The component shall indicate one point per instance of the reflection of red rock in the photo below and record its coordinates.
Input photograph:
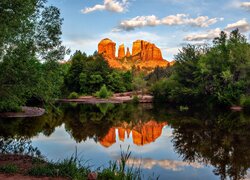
(142, 134)
(121, 134)
(109, 139)
(148, 133)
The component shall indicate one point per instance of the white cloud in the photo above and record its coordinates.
(211, 34)
(178, 19)
(242, 25)
(109, 5)
(166, 164)
(245, 5)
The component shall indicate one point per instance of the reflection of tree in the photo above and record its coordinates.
(94, 121)
(29, 127)
(222, 141)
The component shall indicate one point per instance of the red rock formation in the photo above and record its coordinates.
(107, 48)
(144, 55)
(128, 54)
(146, 51)
(121, 52)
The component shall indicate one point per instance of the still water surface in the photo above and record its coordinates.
(163, 142)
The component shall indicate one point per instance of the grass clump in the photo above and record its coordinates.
(73, 95)
(9, 168)
(69, 168)
(103, 92)
(119, 169)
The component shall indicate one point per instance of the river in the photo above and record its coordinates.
(163, 142)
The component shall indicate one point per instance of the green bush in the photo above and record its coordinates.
(245, 102)
(73, 95)
(103, 93)
(9, 168)
(135, 100)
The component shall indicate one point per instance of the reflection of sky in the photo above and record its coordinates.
(157, 157)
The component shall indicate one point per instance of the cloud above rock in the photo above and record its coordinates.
(242, 25)
(108, 5)
(171, 20)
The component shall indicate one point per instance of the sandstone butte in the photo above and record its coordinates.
(142, 134)
(145, 55)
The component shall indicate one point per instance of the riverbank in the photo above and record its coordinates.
(117, 98)
(25, 112)
(24, 167)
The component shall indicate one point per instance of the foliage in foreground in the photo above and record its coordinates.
(73, 167)
(30, 46)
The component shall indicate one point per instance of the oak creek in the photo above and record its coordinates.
(164, 142)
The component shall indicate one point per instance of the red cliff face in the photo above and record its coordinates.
(107, 48)
(121, 52)
(144, 55)
(146, 51)
(142, 133)
(128, 54)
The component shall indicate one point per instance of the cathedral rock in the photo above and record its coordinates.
(142, 133)
(145, 55)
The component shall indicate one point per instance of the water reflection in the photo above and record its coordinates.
(221, 140)
(143, 133)
(195, 141)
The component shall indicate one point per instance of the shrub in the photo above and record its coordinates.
(103, 93)
(135, 99)
(245, 102)
(9, 168)
(73, 95)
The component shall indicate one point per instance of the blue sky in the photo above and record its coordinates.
(168, 23)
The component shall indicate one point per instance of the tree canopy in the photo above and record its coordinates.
(30, 46)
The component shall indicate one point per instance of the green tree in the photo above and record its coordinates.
(29, 36)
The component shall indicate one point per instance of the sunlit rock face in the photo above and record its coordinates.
(121, 52)
(107, 48)
(143, 133)
(145, 51)
(145, 55)
(128, 54)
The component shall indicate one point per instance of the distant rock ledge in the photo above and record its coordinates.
(26, 112)
(117, 98)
